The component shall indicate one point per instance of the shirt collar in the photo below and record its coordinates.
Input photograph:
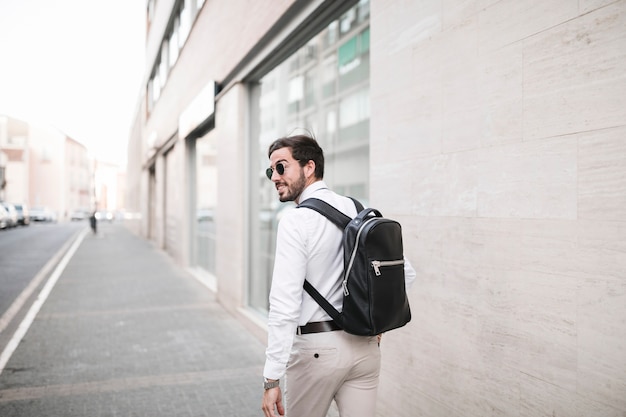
(311, 189)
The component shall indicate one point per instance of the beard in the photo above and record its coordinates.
(292, 191)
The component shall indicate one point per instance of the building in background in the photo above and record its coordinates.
(79, 181)
(14, 160)
(43, 168)
(109, 184)
(47, 176)
(492, 130)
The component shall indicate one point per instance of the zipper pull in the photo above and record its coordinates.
(345, 287)
(376, 266)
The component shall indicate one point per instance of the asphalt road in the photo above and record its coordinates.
(25, 250)
(27, 254)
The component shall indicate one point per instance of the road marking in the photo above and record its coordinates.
(9, 315)
(34, 309)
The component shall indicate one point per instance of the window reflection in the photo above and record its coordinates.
(323, 88)
(206, 201)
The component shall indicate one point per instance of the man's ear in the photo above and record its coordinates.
(309, 169)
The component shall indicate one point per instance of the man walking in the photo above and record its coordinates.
(308, 355)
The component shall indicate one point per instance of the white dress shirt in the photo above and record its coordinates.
(307, 246)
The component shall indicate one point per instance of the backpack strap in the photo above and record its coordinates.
(330, 212)
(323, 302)
(341, 221)
(326, 210)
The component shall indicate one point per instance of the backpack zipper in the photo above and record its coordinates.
(377, 264)
(356, 246)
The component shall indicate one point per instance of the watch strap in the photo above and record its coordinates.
(269, 384)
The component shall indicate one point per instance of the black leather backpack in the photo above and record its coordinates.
(374, 291)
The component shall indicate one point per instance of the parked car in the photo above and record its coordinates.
(23, 215)
(10, 209)
(42, 214)
(4, 217)
(79, 214)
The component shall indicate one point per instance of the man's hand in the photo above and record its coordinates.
(273, 397)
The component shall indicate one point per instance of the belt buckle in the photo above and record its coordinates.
(298, 330)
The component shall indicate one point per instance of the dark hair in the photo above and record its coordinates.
(303, 149)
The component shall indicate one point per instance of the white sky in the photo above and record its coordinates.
(76, 65)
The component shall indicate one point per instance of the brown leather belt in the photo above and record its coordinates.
(318, 327)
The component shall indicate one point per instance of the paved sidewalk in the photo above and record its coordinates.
(126, 332)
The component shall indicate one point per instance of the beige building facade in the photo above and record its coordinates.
(14, 160)
(493, 130)
(79, 181)
(42, 167)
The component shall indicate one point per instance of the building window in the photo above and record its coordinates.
(174, 44)
(150, 13)
(163, 68)
(323, 88)
(155, 85)
(205, 177)
(183, 15)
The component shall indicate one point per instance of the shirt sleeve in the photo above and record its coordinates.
(409, 274)
(285, 294)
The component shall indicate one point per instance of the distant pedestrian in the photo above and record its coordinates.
(315, 361)
(93, 221)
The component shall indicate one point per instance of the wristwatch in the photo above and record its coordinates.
(270, 383)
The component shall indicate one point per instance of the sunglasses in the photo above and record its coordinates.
(280, 168)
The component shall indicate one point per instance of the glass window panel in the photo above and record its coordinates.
(354, 113)
(347, 52)
(296, 88)
(156, 88)
(150, 93)
(185, 22)
(364, 10)
(329, 77)
(309, 52)
(163, 65)
(354, 108)
(329, 36)
(151, 9)
(347, 21)
(294, 63)
(365, 41)
(310, 83)
(302, 95)
(206, 201)
(354, 61)
(173, 44)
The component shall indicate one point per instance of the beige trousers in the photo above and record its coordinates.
(332, 365)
